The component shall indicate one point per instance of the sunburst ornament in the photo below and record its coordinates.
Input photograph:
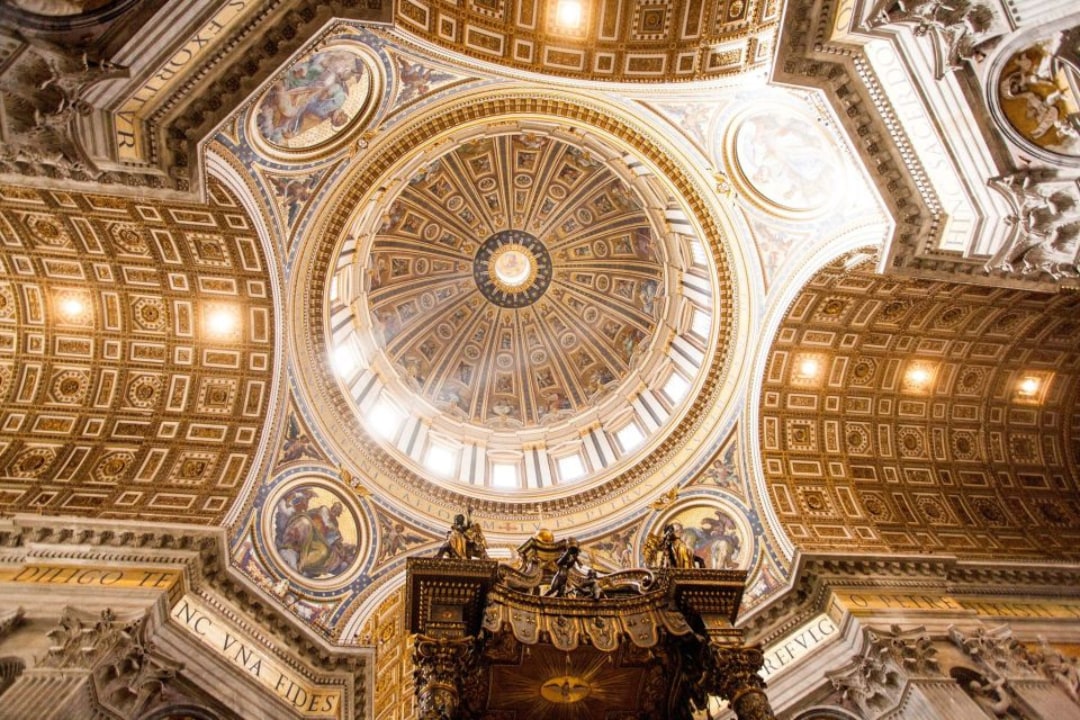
(554, 685)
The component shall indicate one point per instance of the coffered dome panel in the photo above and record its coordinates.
(907, 415)
(544, 303)
(485, 266)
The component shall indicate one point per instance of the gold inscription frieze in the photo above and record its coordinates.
(250, 656)
(166, 580)
(869, 602)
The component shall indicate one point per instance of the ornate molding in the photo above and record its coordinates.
(958, 32)
(244, 56)
(996, 650)
(1045, 216)
(874, 681)
(825, 44)
(44, 87)
(442, 665)
(10, 620)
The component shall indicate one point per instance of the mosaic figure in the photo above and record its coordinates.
(786, 160)
(668, 550)
(313, 534)
(311, 102)
(710, 535)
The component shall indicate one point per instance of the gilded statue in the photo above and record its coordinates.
(670, 550)
(464, 540)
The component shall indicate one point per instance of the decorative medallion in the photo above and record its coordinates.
(315, 532)
(318, 101)
(512, 269)
(783, 161)
(1036, 95)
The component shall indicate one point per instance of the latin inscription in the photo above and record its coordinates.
(798, 644)
(129, 118)
(309, 700)
(92, 577)
(943, 603)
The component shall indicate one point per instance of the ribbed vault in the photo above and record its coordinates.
(908, 415)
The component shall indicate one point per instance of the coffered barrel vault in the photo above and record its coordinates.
(665, 41)
(901, 415)
(136, 354)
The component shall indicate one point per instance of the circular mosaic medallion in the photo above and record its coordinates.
(783, 162)
(718, 534)
(315, 531)
(512, 269)
(318, 101)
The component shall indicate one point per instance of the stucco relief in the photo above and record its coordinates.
(1037, 94)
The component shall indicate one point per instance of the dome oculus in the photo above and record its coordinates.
(512, 269)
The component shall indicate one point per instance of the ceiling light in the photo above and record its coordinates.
(72, 307)
(1029, 385)
(629, 437)
(504, 476)
(571, 467)
(568, 14)
(221, 321)
(676, 387)
(918, 376)
(439, 460)
(808, 368)
(344, 360)
(700, 323)
(385, 419)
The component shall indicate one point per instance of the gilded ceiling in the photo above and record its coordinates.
(496, 353)
(136, 355)
(514, 390)
(539, 302)
(914, 416)
(661, 41)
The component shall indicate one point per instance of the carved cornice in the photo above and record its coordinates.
(201, 553)
(816, 576)
(244, 57)
(807, 57)
(229, 77)
(824, 44)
